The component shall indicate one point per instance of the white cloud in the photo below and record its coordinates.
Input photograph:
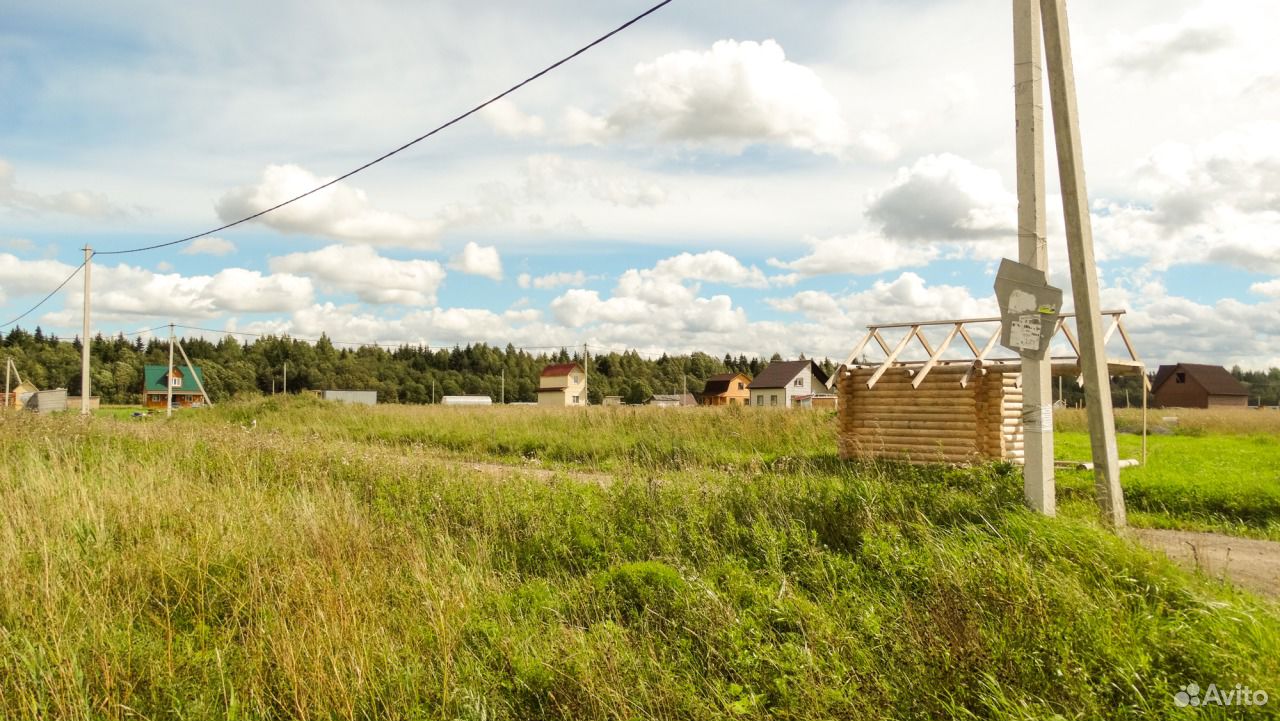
(713, 266)
(209, 246)
(945, 197)
(123, 291)
(551, 280)
(734, 95)
(1159, 49)
(1212, 202)
(373, 278)
(864, 254)
(1269, 288)
(550, 177)
(84, 203)
(510, 121)
(164, 266)
(476, 259)
(339, 211)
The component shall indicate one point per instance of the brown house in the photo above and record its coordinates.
(1190, 385)
(726, 389)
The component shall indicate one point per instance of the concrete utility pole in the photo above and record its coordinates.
(84, 346)
(168, 379)
(1037, 402)
(1084, 271)
(586, 376)
(286, 378)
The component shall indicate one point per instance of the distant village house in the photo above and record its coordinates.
(781, 382)
(157, 382)
(673, 400)
(727, 389)
(1191, 385)
(562, 385)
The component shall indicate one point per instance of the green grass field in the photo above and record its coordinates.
(423, 563)
(1212, 471)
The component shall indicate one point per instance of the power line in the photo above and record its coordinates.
(369, 164)
(45, 299)
(411, 143)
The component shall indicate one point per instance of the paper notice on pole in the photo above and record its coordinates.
(1024, 332)
(1021, 301)
(1037, 419)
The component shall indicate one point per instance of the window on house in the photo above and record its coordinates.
(741, 385)
(575, 400)
(175, 382)
(576, 380)
(1182, 378)
(760, 399)
(799, 382)
(773, 399)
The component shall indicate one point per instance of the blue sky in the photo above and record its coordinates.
(727, 176)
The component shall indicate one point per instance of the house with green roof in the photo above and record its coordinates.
(157, 382)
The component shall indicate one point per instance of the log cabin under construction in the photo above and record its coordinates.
(946, 410)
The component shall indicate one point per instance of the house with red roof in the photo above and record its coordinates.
(562, 385)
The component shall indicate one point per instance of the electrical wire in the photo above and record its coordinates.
(371, 163)
(45, 299)
(411, 143)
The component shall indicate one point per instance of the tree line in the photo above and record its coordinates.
(418, 374)
(406, 374)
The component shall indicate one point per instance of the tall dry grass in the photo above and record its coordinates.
(331, 565)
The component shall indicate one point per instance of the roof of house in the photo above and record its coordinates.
(154, 379)
(1214, 379)
(719, 383)
(560, 369)
(779, 374)
(686, 399)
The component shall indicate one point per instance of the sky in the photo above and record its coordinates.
(730, 176)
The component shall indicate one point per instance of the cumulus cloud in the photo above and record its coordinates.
(510, 121)
(734, 95)
(1269, 288)
(121, 291)
(861, 254)
(477, 259)
(373, 278)
(1216, 201)
(551, 280)
(713, 266)
(340, 211)
(209, 246)
(550, 177)
(1158, 49)
(945, 197)
(84, 203)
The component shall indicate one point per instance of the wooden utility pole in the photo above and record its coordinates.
(168, 379)
(286, 378)
(1037, 391)
(84, 346)
(1084, 271)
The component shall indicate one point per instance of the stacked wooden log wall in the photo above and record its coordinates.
(941, 421)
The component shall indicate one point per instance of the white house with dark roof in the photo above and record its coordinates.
(781, 381)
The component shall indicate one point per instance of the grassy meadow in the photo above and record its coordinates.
(288, 559)
(1211, 470)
